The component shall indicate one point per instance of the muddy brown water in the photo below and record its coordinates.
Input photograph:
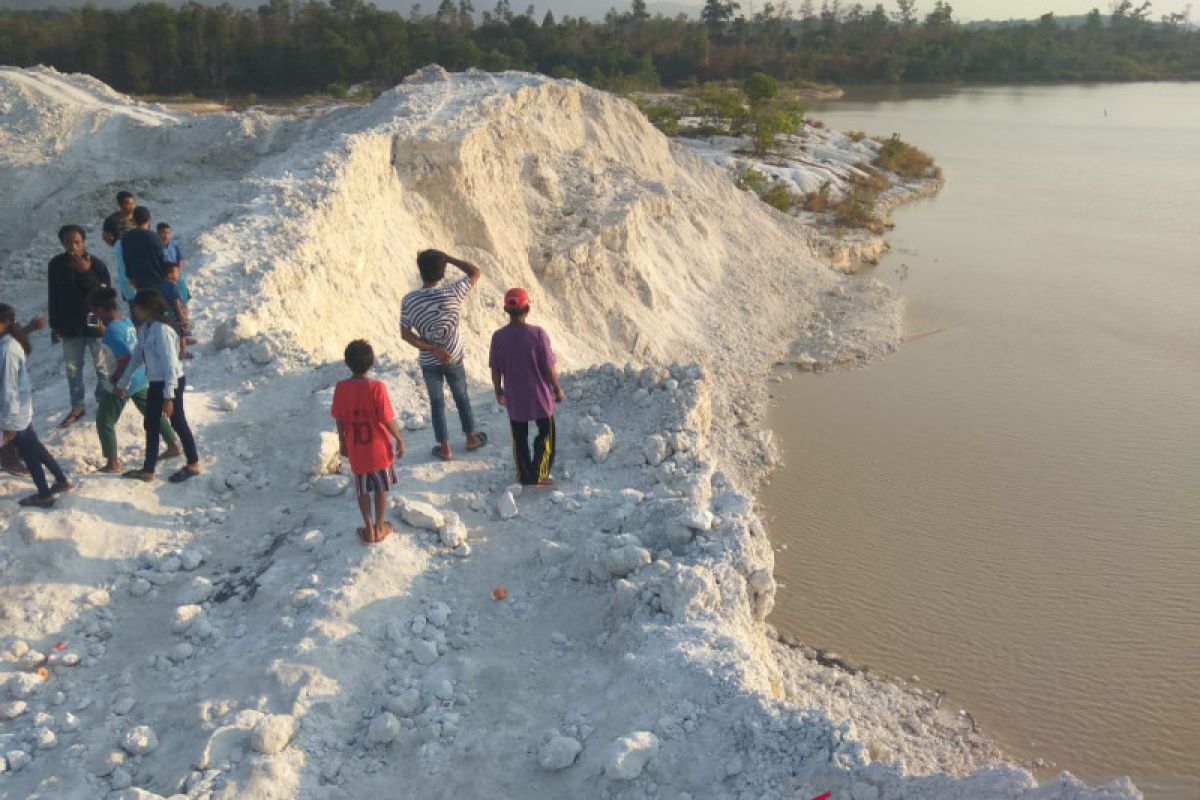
(1010, 509)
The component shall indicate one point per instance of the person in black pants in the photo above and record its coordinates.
(16, 413)
(158, 350)
(526, 383)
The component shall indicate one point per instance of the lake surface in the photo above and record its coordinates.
(1010, 509)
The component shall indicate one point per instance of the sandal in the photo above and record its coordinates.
(169, 453)
(106, 469)
(61, 486)
(483, 440)
(439, 453)
(37, 501)
(138, 475)
(69, 420)
(184, 474)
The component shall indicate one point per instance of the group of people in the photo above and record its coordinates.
(139, 360)
(524, 379)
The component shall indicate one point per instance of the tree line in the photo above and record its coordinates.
(286, 48)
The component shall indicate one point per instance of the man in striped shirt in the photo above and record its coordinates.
(429, 321)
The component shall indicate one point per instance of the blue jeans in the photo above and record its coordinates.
(73, 348)
(455, 375)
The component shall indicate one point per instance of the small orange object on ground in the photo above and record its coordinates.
(499, 593)
(43, 673)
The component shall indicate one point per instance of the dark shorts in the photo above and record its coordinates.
(372, 482)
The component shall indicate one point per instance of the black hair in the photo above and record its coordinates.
(103, 298)
(517, 313)
(359, 356)
(152, 300)
(112, 229)
(141, 215)
(67, 230)
(162, 226)
(432, 264)
(122, 196)
(9, 314)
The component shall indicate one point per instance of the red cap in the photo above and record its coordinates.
(516, 299)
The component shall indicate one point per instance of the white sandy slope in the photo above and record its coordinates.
(630, 653)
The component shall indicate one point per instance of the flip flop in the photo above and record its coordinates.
(138, 475)
(108, 470)
(37, 501)
(166, 454)
(183, 474)
(437, 453)
(483, 440)
(75, 415)
(61, 486)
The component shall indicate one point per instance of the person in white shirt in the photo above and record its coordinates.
(158, 350)
(16, 413)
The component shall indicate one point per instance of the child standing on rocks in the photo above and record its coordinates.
(526, 383)
(16, 413)
(117, 344)
(158, 351)
(366, 426)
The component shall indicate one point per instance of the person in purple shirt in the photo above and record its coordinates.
(527, 385)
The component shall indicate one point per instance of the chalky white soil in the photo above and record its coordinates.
(230, 637)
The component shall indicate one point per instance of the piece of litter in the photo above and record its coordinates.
(499, 593)
(58, 648)
(43, 673)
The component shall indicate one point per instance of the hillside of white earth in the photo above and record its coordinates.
(231, 638)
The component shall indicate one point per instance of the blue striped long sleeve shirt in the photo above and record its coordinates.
(158, 350)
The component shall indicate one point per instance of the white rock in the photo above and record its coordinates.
(311, 540)
(419, 623)
(17, 649)
(453, 532)
(559, 752)
(383, 729)
(185, 617)
(406, 703)
(422, 515)
(303, 598)
(600, 444)
(228, 403)
(24, 684)
(698, 519)
(655, 449)
(425, 652)
(103, 763)
(32, 659)
(139, 741)
(463, 550)
(181, 652)
(507, 506)
(331, 485)
(12, 709)
(44, 739)
(272, 733)
(620, 561)
(438, 615)
(628, 756)
(328, 457)
(68, 723)
(262, 352)
(191, 558)
(17, 760)
(198, 590)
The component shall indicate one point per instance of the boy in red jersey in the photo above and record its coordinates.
(366, 427)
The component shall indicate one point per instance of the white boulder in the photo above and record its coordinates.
(422, 515)
(559, 752)
(507, 506)
(383, 729)
(628, 755)
(272, 733)
(139, 741)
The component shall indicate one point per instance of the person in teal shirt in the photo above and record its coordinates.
(116, 347)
